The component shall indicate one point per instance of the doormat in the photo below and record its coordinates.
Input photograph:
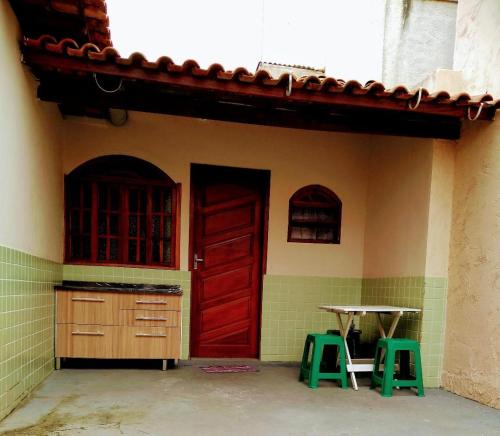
(228, 368)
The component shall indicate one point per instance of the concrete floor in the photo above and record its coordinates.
(186, 401)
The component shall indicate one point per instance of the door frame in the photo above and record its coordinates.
(264, 182)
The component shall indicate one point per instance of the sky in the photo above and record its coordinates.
(343, 36)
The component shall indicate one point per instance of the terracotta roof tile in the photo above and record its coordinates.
(81, 20)
(315, 86)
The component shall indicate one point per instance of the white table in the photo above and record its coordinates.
(365, 365)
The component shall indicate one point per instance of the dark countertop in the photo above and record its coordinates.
(68, 285)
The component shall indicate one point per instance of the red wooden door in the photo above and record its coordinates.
(227, 235)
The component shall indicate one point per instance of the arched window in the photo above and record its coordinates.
(121, 210)
(314, 215)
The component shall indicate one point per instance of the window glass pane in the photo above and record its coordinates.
(113, 224)
(143, 226)
(132, 225)
(143, 201)
(86, 247)
(113, 249)
(168, 201)
(75, 221)
(115, 198)
(132, 200)
(75, 247)
(167, 224)
(102, 224)
(74, 195)
(156, 250)
(87, 195)
(156, 226)
(324, 234)
(103, 197)
(101, 250)
(143, 251)
(86, 221)
(132, 250)
(156, 200)
(166, 252)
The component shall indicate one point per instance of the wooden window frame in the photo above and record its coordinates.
(124, 184)
(333, 203)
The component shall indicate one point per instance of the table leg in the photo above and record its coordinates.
(382, 335)
(380, 326)
(344, 332)
(395, 320)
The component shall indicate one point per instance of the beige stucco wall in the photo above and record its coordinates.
(471, 365)
(31, 185)
(295, 157)
(397, 207)
(440, 209)
(471, 361)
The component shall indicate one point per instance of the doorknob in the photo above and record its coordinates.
(196, 260)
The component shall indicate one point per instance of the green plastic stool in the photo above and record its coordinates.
(386, 379)
(312, 371)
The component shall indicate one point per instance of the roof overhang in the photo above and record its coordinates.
(74, 62)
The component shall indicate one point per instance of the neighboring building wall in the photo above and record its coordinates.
(418, 39)
(31, 219)
(471, 364)
(299, 276)
(477, 51)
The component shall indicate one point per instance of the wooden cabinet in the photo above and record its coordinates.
(109, 325)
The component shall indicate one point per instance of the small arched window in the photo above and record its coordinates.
(314, 215)
(121, 210)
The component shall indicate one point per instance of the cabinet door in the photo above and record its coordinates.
(80, 307)
(78, 340)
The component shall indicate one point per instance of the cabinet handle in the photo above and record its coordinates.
(150, 301)
(92, 300)
(149, 318)
(151, 335)
(87, 333)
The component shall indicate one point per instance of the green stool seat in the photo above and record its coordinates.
(312, 371)
(386, 379)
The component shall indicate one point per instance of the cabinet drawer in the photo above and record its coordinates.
(143, 342)
(79, 307)
(149, 342)
(77, 340)
(151, 318)
(150, 302)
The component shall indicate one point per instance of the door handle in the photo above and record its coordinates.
(149, 318)
(92, 300)
(196, 260)
(78, 332)
(150, 302)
